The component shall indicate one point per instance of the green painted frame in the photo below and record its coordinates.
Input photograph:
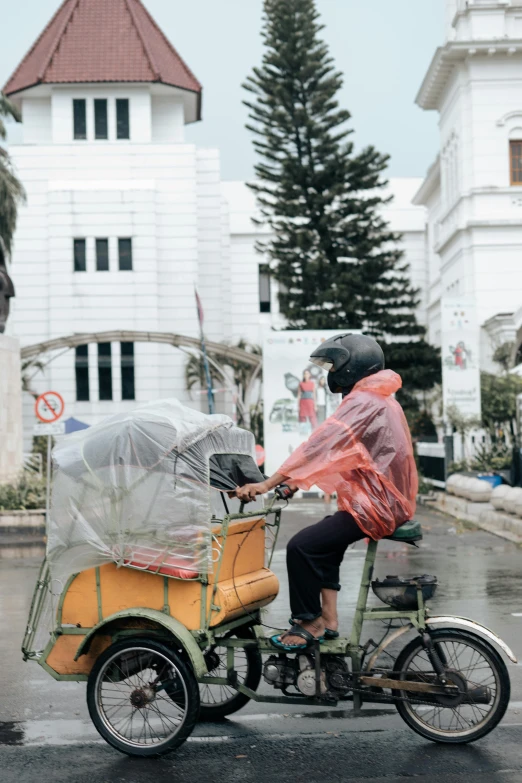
(348, 647)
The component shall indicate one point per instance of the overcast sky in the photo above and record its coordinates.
(383, 48)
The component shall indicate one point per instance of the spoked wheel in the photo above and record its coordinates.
(480, 675)
(142, 697)
(218, 701)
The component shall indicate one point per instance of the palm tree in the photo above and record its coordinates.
(245, 378)
(12, 192)
(195, 373)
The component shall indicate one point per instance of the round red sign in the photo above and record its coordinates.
(260, 454)
(49, 406)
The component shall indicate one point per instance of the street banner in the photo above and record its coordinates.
(295, 393)
(460, 356)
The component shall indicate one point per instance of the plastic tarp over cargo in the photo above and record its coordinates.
(136, 489)
(364, 453)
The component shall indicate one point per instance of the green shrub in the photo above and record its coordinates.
(424, 486)
(496, 456)
(27, 494)
(460, 466)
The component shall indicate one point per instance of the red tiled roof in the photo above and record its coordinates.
(102, 41)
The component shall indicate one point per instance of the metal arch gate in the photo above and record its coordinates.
(217, 351)
(118, 336)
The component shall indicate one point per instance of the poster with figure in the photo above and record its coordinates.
(296, 396)
(460, 355)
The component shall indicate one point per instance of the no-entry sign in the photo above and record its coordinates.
(49, 407)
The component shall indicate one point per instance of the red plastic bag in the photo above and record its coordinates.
(364, 453)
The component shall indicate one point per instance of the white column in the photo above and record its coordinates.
(11, 429)
(93, 372)
(116, 371)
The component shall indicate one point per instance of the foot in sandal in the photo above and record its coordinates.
(300, 636)
(329, 632)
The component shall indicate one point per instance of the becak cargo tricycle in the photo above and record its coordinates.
(153, 586)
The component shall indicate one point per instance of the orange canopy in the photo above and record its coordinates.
(364, 453)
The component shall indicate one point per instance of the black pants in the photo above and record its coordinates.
(313, 557)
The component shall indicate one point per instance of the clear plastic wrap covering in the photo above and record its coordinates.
(364, 453)
(136, 489)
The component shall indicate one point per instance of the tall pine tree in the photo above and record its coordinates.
(335, 257)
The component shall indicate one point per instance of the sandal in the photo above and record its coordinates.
(328, 632)
(296, 630)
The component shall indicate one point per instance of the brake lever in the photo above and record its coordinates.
(283, 492)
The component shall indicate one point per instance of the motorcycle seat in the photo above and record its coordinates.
(409, 532)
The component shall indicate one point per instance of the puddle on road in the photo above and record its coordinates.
(11, 734)
(78, 732)
(63, 732)
(48, 732)
(59, 732)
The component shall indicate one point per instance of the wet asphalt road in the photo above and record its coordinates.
(46, 734)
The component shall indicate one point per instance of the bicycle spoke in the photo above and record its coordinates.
(160, 697)
(147, 721)
(131, 708)
(217, 694)
(162, 716)
(473, 666)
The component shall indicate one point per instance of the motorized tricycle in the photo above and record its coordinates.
(164, 620)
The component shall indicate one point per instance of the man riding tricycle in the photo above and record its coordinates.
(155, 576)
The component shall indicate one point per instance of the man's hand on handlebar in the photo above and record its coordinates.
(250, 491)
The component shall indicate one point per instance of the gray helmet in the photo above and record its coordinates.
(348, 358)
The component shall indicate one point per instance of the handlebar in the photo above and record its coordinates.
(283, 492)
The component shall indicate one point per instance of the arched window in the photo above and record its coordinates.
(515, 152)
(515, 161)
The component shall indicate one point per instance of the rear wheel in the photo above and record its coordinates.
(142, 697)
(480, 675)
(218, 701)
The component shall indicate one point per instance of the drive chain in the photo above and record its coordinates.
(391, 699)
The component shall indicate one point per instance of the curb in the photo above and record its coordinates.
(481, 515)
(22, 523)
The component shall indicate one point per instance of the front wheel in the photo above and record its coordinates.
(142, 697)
(471, 664)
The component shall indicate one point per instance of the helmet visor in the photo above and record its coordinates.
(323, 362)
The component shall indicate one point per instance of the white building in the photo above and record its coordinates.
(473, 191)
(124, 218)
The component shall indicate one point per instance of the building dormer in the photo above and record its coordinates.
(102, 71)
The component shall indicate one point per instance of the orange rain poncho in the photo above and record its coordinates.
(364, 453)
